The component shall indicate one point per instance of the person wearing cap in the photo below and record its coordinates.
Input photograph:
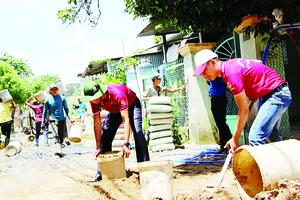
(156, 90)
(6, 119)
(80, 109)
(56, 104)
(248, 81)
(38, 111)
(122, 105)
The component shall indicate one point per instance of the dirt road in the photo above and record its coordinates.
(36, 174)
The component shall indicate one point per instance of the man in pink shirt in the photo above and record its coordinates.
(249, 80)
(122, 105)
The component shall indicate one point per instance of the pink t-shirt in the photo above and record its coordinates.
(119, 98)
(38, 110)
(254, 78)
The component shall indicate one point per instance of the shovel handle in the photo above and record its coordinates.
(225, 166)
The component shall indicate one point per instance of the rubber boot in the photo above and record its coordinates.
(46, 139)
(37, 142)
(7, 141)
(59, 150)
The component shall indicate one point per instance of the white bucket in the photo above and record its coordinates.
(5, 95)
(61, 87)
(112, 165)
(260, 168)
(75, 132)
(13, 148)
(156, 179)
(40, 97)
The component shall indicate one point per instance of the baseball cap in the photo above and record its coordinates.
(53, 86)
(155, 76)
(201, 58)
(93, 90)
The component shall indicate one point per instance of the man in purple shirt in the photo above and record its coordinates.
(122, 105)
(38, 110)
(249, 80)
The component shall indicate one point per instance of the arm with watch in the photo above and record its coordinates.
(126, 146)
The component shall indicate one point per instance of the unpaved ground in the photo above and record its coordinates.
(36, 173)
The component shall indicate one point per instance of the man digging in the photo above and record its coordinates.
(249, 79)
(122, 105)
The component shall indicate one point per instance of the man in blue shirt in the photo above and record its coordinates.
(56, 105)
(80, 110)
(217, 93)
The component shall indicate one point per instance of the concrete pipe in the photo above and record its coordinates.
(260, 168)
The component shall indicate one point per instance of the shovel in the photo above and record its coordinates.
(221, 176)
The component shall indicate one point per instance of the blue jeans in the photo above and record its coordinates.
(112, 123)
(267, 122)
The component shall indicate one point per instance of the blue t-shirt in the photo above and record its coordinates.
(217, 87)
(162, 72)
(56, 106)
(81, 109)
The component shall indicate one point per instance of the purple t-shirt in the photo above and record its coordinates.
(256, 79)
(38, 110)
(119, 98)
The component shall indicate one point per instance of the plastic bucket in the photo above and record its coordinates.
(156, 179)
(13, 148)
(5, 95)
(260, 168)
(75, 132)
(40, 96)
(112, 165)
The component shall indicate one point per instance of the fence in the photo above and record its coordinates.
(174, 78)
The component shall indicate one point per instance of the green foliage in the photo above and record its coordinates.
(9, 79)
(42, 82)
(119, 68)
(80, 11)
(22, 88)
(201, 15)
(180, 135)
(73, 89)
(21, 66)
(157, 39)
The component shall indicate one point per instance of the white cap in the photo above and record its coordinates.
(201, 58)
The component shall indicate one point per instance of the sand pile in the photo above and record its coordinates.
(287, 190)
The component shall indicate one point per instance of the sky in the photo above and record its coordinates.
(31, 30)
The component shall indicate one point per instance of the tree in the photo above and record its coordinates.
(22, 88)
(81, 11)
(201, 15)
(43, 82)
(9, 79)
(20, 65)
